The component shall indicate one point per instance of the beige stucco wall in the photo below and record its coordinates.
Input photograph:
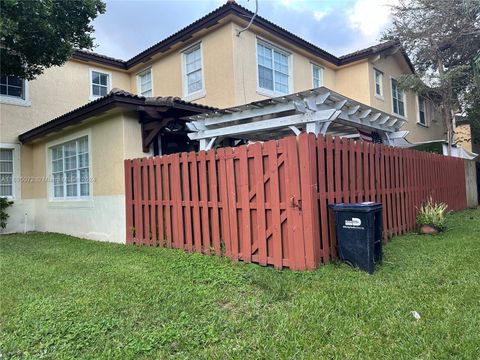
(57, 91)
(353, 82)
(392, 67)
(217, 57)
(245, 66)
(113, 138)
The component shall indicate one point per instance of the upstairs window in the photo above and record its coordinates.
(317, 75)
(6, 172)
(144, 83)
(422, 112)
(193, 78)
(70, 169)
(378, 83)
(100, 84)
(273, 68)
(398, 99)
(12, 86)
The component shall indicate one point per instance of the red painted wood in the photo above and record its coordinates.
(151, 202)
(359, 191)
(223, 191)
(197, 230)
(232, 203)
(322, 198)
(202, 171)
(138, 202)
(260, 203)
(274, 198)
(309, 189)
(246, 231)
(295, 204)
(187, 213)
(213, 191)
(160, 208)
(330, 192)
(192, 201)
(345, 177)
(128, 201)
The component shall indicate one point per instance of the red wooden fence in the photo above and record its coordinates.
(268, 202)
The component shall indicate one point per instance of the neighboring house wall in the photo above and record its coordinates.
(111, 138)
(463, 135)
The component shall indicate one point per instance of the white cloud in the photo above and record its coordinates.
(319, 15)
(370, 17)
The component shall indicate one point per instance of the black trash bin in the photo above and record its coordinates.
(359, 233)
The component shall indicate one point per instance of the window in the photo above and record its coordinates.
(317, 75)
(422, 112)
(144, 83)
(378, 83)
(70, 169)
(398, 99)
(273, 69)
(12, 86)
(6, 172)
(100, 84)
(193, 79)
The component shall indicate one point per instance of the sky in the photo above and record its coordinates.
(337, 26)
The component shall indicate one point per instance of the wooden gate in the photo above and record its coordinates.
(268, 202)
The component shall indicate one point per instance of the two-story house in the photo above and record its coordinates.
(64, 136)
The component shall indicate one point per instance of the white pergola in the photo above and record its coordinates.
(318, 111)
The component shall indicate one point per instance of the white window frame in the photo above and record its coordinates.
(69, 199)
(109, 82)
(199, 93)
(381, 95)
(321, 71)
(404, 100)
(14, 149)
(14, 100)
(426, 124)
(139, 75)
(267, 92)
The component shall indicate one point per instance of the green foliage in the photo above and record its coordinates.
(35, 35)
(4, 205)
(67, 298)
(441, 37)
(433, 214)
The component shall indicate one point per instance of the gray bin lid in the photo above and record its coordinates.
(362, 207)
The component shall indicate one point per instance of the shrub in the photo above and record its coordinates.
(4, 204)
(432, 214)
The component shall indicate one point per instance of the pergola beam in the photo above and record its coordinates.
(286, 121)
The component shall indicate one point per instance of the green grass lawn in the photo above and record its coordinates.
(66, 298)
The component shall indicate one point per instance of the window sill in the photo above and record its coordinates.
(15, 101)
(378, 97)
(195, 96)
(269, 93)
(71, 203)
(93, 98)
(422, 125)
(401, 117)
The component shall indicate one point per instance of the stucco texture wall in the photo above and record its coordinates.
(57, 91)
(113, 138)
(392, 67)
(245, 66)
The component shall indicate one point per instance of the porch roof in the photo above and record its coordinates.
(319, 111)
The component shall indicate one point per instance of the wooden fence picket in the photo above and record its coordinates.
(268, 203)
